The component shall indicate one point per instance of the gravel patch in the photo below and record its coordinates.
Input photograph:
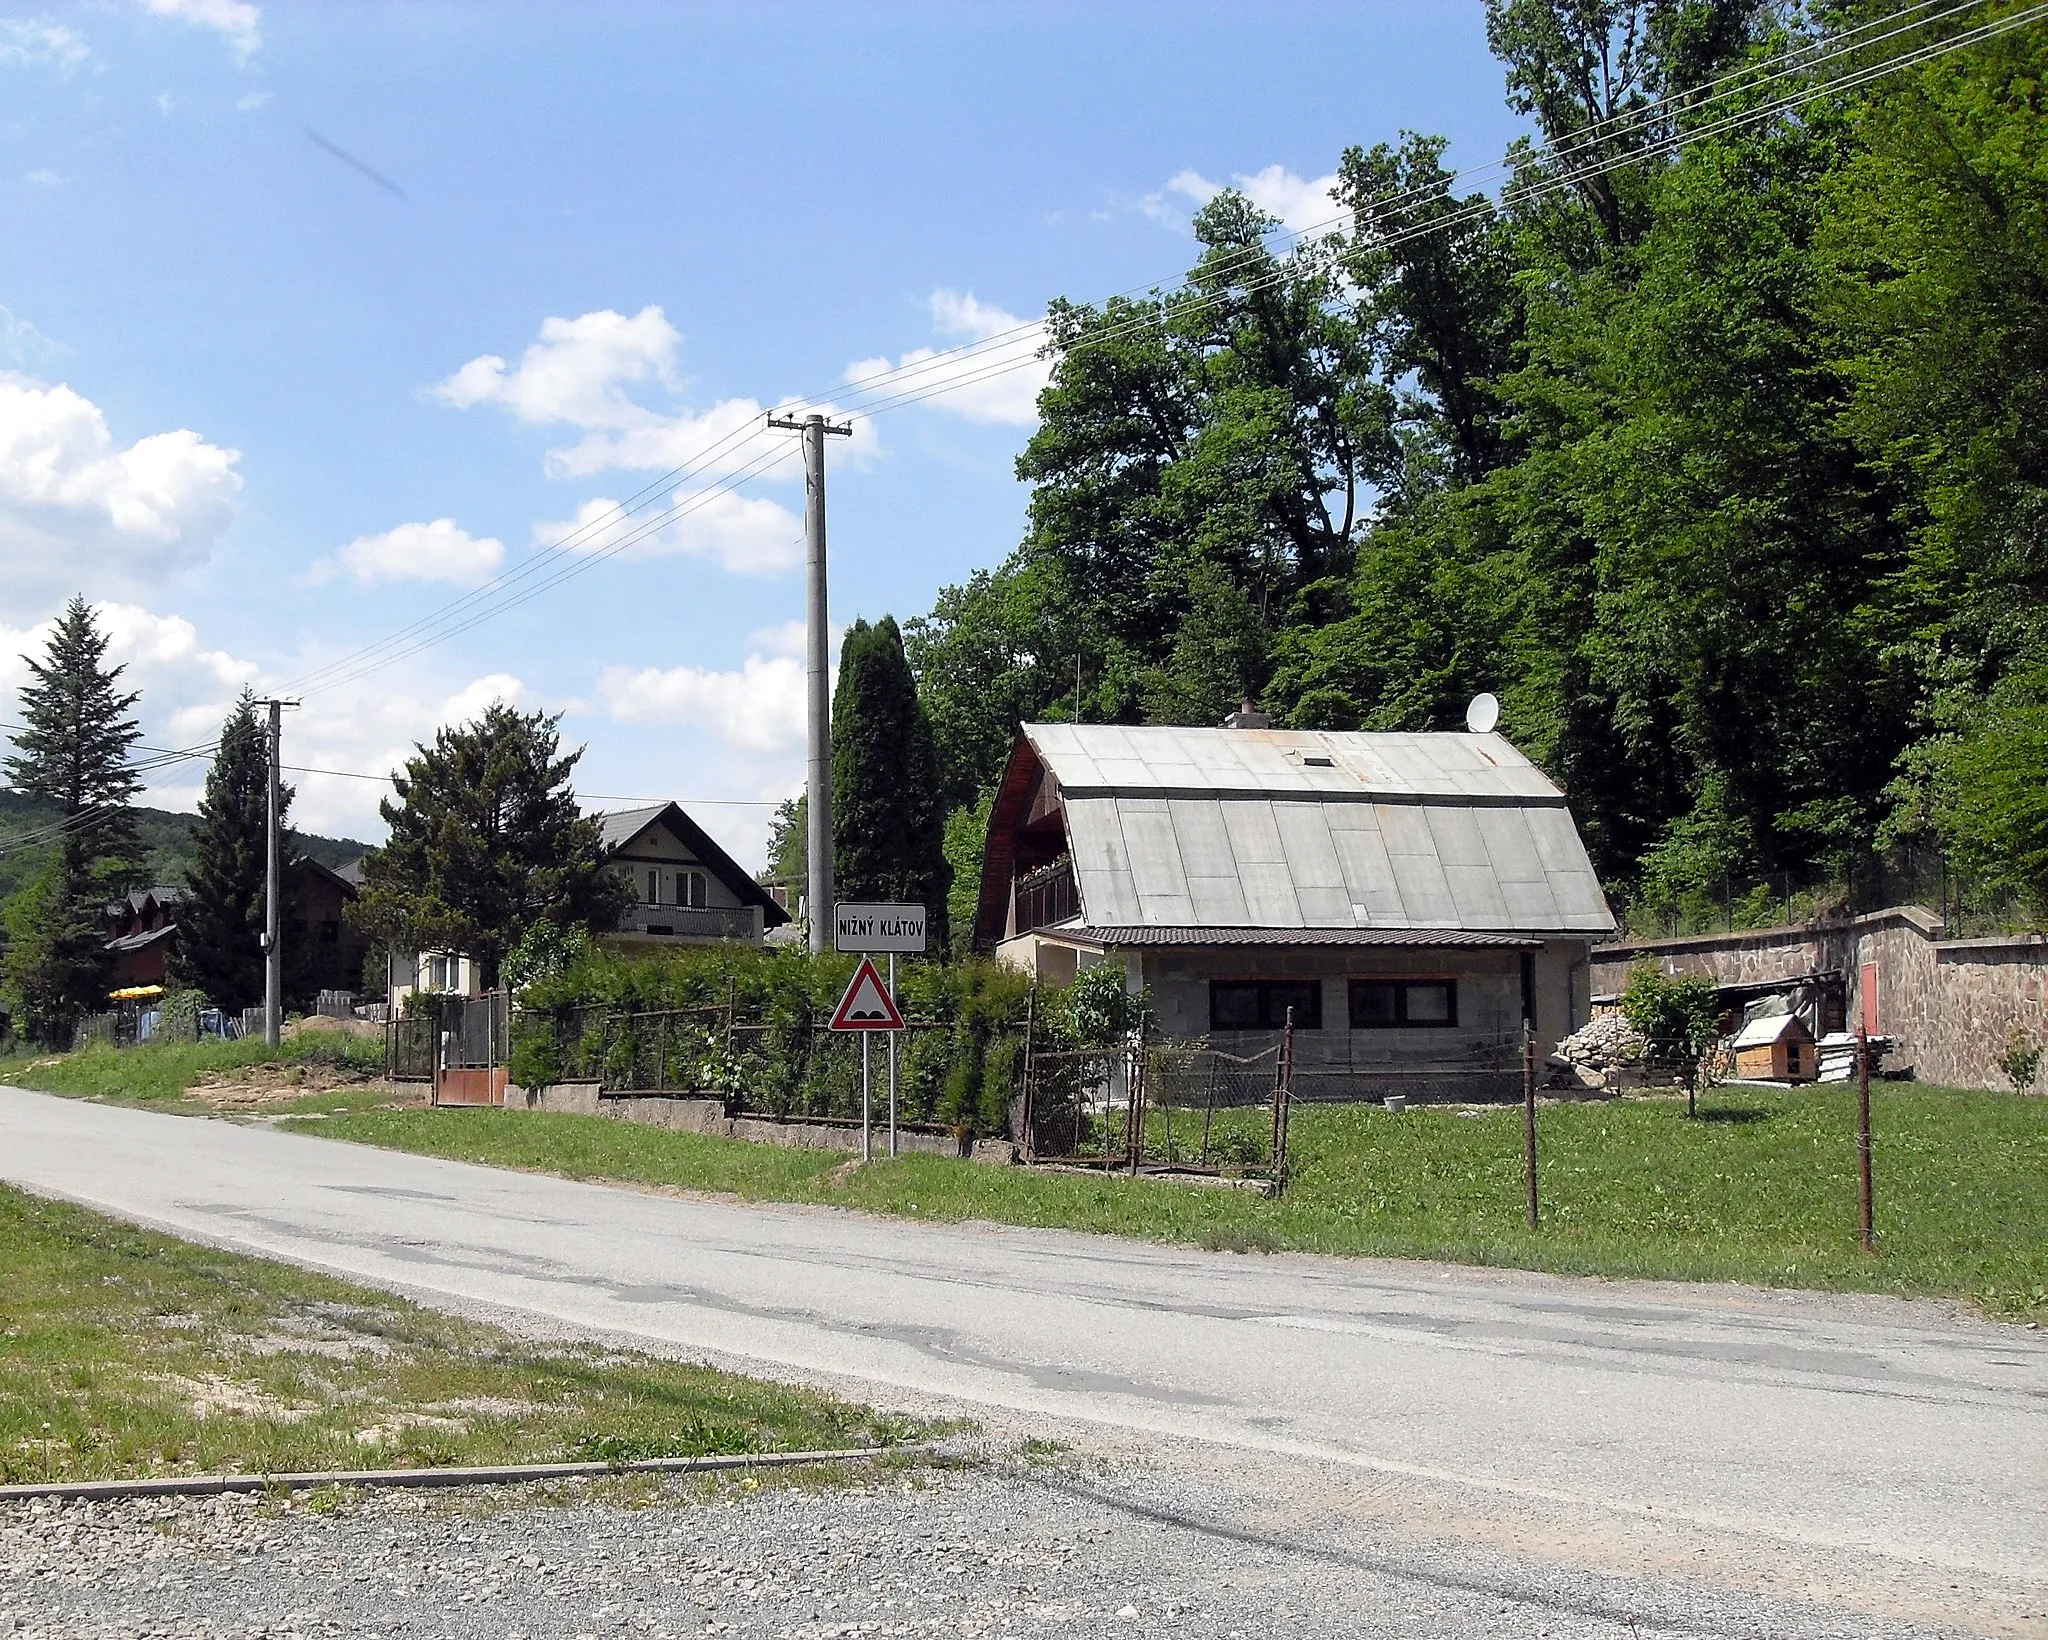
(1062, 1548)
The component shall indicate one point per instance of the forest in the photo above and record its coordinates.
(1705, 431)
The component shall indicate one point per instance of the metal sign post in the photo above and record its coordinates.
(871, 929)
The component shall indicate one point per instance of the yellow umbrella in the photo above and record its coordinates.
(136, 993)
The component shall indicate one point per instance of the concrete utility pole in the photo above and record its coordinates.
(817, 678)
(273, 895)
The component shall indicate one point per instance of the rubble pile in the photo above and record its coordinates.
(1604, 1053)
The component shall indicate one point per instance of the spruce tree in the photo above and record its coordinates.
(72, 749)
(888, 822)
(220, 925)
(73, 746)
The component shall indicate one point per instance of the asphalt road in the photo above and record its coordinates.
(1882, 1456)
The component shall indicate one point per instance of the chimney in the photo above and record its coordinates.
(1248, 716)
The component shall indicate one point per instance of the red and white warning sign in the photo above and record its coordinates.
(867, 1005)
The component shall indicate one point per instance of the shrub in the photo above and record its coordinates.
(2022, 1061)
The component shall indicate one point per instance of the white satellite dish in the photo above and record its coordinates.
(1482, 717)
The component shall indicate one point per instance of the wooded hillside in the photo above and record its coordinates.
(1710, 441)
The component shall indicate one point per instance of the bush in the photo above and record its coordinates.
(1679, 1017)
(2022, 1061)
(960, 1067)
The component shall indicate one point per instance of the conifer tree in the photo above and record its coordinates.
(888, 819)
(73, 746)
(72, 749)
(220, 925)
(486, 840)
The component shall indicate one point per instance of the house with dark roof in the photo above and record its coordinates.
(1411, 898)
(686, 891)
(142, 930)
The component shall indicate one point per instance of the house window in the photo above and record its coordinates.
(1262, 1004)
(690, 889)
(1387, 1004)
(653, 886)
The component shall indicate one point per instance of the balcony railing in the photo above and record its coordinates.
(690, 923)
(1047, 896)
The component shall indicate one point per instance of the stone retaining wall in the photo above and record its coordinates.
(1951, 1007)
(680, 1113)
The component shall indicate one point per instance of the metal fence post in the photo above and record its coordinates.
(1529, 1120)
(1283, 1087)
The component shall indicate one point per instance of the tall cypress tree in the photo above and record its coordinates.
(888, 820)
(220, 925)
(72, 748)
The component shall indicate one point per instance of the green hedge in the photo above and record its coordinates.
(960, 1067)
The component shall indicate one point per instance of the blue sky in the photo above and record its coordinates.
(315, 318)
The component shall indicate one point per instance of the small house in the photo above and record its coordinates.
(1410, 899)
(142, 931)
(686, 889)
(1776, 1048)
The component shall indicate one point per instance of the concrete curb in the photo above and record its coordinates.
(191, 1486)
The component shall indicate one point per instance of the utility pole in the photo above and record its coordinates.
(273, 895)
(817, 677)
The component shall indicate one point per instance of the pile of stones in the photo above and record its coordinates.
(1603, 1055)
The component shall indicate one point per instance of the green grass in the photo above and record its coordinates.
(125, 1353)
(164, 1071)
(1761, 1189)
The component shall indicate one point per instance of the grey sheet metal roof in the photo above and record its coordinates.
(1145, 935)
(1306, 829)
(621, 828)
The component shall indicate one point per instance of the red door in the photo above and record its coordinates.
(1867, 990)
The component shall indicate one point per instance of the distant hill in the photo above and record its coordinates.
(168, 837)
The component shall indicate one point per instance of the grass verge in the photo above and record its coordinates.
(1761, 1189)
(164, 1072)
(124, 1353)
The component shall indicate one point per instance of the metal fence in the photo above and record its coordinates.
(1150, 1104)
(1968, 903)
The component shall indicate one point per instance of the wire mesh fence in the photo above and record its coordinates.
(1967, 902)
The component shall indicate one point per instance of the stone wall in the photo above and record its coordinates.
(1951, 1007)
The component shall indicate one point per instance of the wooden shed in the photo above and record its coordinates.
(1776, 1048)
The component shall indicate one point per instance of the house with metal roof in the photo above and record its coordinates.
(1411, 898)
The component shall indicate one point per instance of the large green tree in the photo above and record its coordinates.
(888, 821)
(1711, 444)
(486, 840)
(72, 748)
(221, 922)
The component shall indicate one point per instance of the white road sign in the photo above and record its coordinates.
(878, 928)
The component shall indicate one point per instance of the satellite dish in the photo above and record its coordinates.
(1482, 717)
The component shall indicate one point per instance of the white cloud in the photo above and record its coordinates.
(1301, 203)
(582, 374)
(440, 551)
(748, 535)
(235, 21)
(759, 708)
(42, 179)
(40, 43)
(165, 102)
(253, 101)
(786, 638)
(22, 342)
(69, 492)
(996, 383)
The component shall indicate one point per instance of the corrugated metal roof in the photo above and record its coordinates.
(1233, 828)
(1268, 762)
(1148, 934)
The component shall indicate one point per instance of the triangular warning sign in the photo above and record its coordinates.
(867, 1005)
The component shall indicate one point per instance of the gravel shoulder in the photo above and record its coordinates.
(1060, 1545)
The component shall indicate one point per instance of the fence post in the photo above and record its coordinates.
(661, 1056)
(1030, 1021)
(1529, 1120)
(1283, 1087)
(1866, 1215)
(1134, 1104)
